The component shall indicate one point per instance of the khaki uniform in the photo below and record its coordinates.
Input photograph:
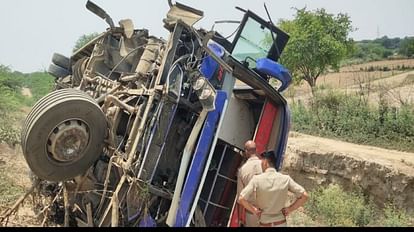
(246, 172)
(270, 191)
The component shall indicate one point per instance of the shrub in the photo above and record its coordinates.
(352, 119)
(40, 84)
(11, 99)
(336, 207)
(394, 217)
(9, 134)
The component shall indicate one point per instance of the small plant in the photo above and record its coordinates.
(371, 69)
(9, 191)
(336, 207)
(386, 69)
(351, 118)
(394, 217)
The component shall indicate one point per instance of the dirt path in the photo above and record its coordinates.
(401, 161)
(383, 175)
(26, 92)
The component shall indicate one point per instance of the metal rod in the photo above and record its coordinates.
(217, 205)
(89, 214)
(149, 142)
(163, 145)
(118, 188)
(115, 211)
(66, 205)
(227, 178)
(215, 177)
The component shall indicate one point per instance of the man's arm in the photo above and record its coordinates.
(301, 197)
(250, 207)
(244, 194)
(300, 201)
(240, 209)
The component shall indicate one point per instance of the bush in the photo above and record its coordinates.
(11, 99)
(333, 206)
(352, 119)
(40, 84)
(9, 134)
(337, 208)
(394, 217)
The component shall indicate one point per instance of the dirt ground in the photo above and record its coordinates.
(397, 87)
(401, 162)
(383, 175)
(16, 169)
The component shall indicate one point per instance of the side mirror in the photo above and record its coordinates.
(274, 70)
(99, 12)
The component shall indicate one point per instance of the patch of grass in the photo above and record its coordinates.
(9, 134)
(408, 80)
(9, 191)
(300, 219)
(332, 206)
(39, 83)
(351, 118)
(394, 217)
(336, 207)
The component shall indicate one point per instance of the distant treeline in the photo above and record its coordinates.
(380, 49)
(12, 99)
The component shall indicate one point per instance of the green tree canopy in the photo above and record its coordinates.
(407, 47)
(84, 39)
(318, 41)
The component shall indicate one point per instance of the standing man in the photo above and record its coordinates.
(250, 168)
(271, 192)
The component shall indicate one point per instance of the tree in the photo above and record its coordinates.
(407, 47)
(84, 39)
(318, 41)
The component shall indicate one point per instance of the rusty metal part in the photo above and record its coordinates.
(67, 141)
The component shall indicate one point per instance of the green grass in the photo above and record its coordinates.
(9, 191)
(332, 206)
(394, 217)
(336, 207)
(12, 100)
(351, 118)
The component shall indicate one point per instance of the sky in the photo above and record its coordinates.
(31, 31)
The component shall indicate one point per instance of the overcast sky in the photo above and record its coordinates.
(31, 31)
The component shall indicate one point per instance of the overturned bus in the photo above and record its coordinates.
(140, 131)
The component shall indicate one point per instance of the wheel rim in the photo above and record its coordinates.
(68, 141)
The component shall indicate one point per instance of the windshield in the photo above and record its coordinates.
(254, 42)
